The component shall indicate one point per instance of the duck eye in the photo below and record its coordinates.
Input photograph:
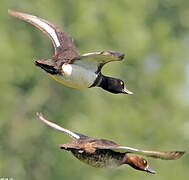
(145, 162)
(121, 83)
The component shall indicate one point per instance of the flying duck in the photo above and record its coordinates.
(68, 67)
(102, 153)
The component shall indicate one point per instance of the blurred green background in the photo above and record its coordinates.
(154, 34)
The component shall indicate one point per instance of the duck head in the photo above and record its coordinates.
(138, 163)
(113, 85)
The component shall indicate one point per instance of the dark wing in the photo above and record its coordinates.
(102, 143)
(55, 126)
(68, 146)
(96, 60)
(63, 43)
(166, 155)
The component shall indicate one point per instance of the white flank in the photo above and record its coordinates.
(67, 69)
(47, 28)
(76, 76)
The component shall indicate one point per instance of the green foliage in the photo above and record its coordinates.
(153, 34)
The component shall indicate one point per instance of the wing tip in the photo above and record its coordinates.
(39, 115)
(11, 12)
(19, 15)
(177, 154)
(120, 55)
(14, 13)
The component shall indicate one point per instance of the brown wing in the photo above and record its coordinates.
(81, 145)
(165, 155)
(89, 144)
(101, 143)
(62, 42)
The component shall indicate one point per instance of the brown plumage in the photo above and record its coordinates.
(66, 49)
(101, 153)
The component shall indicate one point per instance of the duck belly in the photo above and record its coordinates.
(99, 159)
(75, 76)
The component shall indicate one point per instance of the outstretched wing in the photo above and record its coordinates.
(166, 155)
(55, 126)
(63, 43)
(96, 60)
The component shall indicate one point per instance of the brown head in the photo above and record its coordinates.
(138, 163)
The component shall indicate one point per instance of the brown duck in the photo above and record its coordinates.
(102, 153)
(68, 67)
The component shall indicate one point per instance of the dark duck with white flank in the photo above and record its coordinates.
(101, 153)
(68, 67)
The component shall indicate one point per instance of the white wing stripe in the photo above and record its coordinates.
(129, 148)
(91, 53)
(47, 28)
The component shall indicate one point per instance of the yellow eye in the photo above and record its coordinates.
(145, 162)
(121, 83)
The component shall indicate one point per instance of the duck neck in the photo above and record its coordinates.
(131, 161)
(103, 81)
(126, 159)
(100, 81)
